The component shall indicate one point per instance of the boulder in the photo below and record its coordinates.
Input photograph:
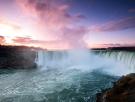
(122, 91)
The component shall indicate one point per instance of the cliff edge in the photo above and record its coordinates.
(17, 57)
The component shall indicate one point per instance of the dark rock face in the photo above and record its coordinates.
(17, 57)
(122, 91)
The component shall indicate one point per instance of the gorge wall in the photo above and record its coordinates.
(17, 57)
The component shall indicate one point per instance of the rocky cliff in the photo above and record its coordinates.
(17, 57)
(122, 91)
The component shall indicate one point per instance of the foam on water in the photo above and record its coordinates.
(82, 59)
(61, 73)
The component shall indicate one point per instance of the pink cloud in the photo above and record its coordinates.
(28, 40)
(131, 10)
(80, 16)
(75, 36)
(2, 40)
(22, 40)
(5, 21)
(55, 20)
(122, 24)
(49, 12)
(40, 43)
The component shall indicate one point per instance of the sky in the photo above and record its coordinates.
(64, 24)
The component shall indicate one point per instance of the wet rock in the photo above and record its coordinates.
(122, 91)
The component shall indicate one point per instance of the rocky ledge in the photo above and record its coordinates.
(17, 57)
(122, 91)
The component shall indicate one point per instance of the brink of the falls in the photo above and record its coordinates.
(119, 63)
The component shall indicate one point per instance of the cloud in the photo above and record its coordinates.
(23, 40)
(4, 21)
(80, 16)
(55, 21)
(2, 40)
(28, 40)
(48, 10)
(40, 43)
(131, 10)
(122, 24)
(8, 27)
(74, 36)
(111, 45)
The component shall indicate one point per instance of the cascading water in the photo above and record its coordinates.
(86, 60)
(71, 59)
(124, 57)
(62, 76)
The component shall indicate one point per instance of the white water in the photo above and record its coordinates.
(84, 60)
(125, 58)
(59, 70)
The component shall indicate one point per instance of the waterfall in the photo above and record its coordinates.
(112, 62)
(52, 59)
(124, 57)
(40, 58)
(62, 58)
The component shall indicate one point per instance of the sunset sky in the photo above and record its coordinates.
(62, 24)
